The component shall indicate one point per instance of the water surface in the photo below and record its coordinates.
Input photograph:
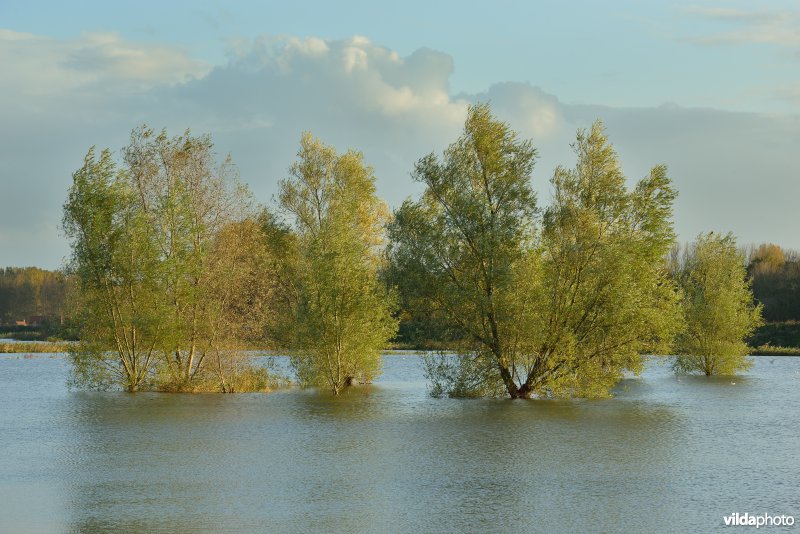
(666, 454)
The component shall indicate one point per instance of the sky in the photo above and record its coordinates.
(712, 90)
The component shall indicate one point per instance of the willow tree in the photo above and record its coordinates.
(188, 201)
(719, 308)
(599, 288)
(163, 246)
(239, 306)
(560, 308)
(115, 260)
(340, 315)
(454, 250)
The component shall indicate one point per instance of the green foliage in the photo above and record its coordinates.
(173, 273)
(453, 250)
(601, 294)
(192, 207)
(339, 315)
(780, 334)
(719, 308)
(560, 308)
(771, 350)
(34, 347)
(115, 261)
(167, 257)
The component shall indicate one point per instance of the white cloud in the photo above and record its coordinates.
(64, 96)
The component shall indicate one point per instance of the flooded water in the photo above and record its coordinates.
(666, 454)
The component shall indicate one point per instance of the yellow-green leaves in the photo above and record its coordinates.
(603, 244)
(161, 246)
(115, 260)
(340, 315)
(454, 250)
(560, 308)
(718, 307)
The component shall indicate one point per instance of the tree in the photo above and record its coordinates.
(189, 201)
(170, 259)
(561, 308)
(767, 258)
(239, 305)
(340, 316)
(775, 276)
(116, 265)
(604, 294)
(454, 249)
(719, 308)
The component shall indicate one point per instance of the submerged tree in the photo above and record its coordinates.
(454, 250)
(340, 315)
(599, 287)
(562, 310)
(238, 307)
(163, 247)
(115, 260)
(719, 308)
(190, 202)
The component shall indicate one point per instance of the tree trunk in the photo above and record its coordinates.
(523, 392)
(190, 361)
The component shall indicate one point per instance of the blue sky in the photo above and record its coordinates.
(711, 89)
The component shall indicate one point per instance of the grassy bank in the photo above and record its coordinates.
(769, 350)
(34, 347)
(41, 347)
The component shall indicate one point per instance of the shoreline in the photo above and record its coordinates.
(62, 347)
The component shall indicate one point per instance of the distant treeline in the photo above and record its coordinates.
(776, 281)
(31, 295)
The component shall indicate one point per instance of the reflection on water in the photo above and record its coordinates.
(667, 453)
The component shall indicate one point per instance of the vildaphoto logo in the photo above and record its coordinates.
(763, 520)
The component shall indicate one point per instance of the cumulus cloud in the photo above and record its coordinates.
(67, 95)
(64, 96)
(352, 93)
(319, 75)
